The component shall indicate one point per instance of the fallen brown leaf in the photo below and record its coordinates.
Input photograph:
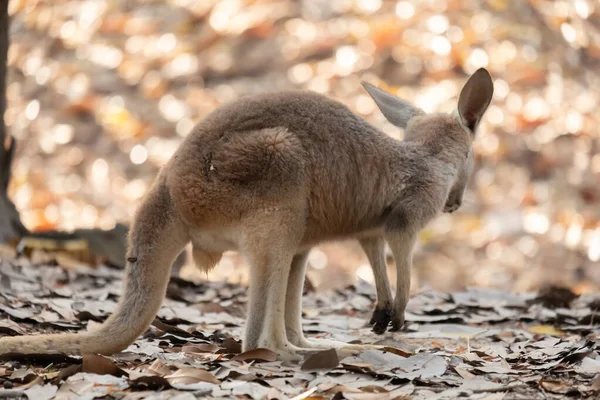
(373, 389)
(190, 375)
(159, 368)
(230, 346)
(256, 355)
(326, 359)
(397, 351)
(65, 373)
(464, 373)
(96, 364)
(169, 328)
(200, 348)
(560, 387)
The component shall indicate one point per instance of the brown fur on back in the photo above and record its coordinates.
(347, 175)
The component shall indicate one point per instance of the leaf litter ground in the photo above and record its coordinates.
(478, 343)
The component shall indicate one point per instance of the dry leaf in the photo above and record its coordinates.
(397, 351)
(555, 386)
(65, 373)
(545, 330)
(305, 395)
(230, 346)
(190, 375)
(376, 396)
(41, 392)
(159, 368)
(200, 348)
(256, 355)
(464, 373)
(326, 359)
(96, 364)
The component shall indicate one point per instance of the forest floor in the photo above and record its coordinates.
(478, 343)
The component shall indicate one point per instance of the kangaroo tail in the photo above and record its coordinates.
(156, 238)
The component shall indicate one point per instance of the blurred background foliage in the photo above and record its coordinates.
(100, 94)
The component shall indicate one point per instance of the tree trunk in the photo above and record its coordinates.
(11, 227)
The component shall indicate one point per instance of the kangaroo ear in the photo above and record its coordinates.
(395, 110)
(475, 98)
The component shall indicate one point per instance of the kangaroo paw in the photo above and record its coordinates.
(381, 319)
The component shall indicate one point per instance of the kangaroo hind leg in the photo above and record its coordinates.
(293, 307)
(293, 314)
(270, 253)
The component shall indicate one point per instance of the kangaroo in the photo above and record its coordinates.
(271, 176)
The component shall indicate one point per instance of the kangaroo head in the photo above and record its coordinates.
(453, 133)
